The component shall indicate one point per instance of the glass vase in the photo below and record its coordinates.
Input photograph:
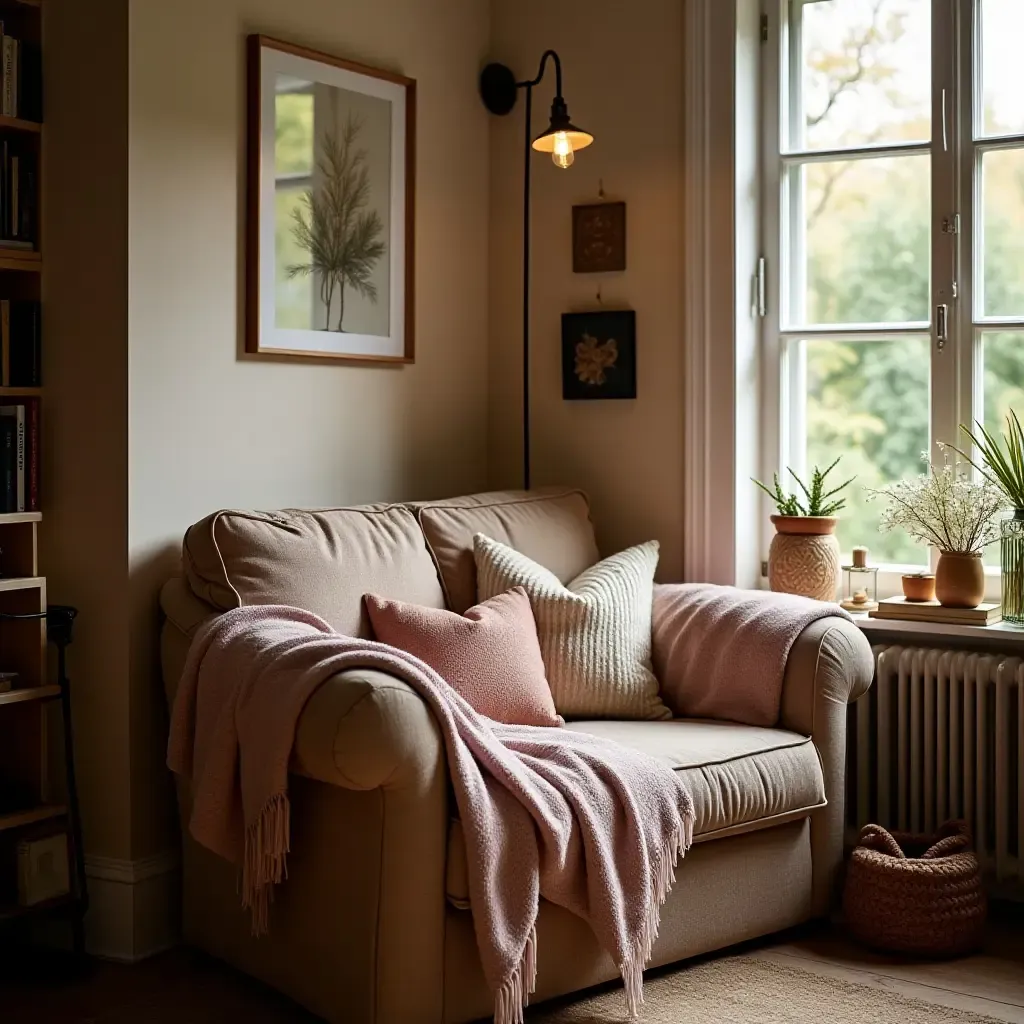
(1011, 558)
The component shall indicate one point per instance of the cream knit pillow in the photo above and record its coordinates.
(595, 633)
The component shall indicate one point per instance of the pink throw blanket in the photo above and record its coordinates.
(720, 652)
(590, 825)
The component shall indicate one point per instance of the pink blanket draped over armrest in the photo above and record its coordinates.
(587, 824)
(720, 652)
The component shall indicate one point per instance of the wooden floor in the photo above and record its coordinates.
(185, 987)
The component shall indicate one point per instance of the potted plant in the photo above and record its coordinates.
(956, 514)
(1002, 464)
(804, 553)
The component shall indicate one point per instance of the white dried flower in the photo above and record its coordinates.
(944, 507)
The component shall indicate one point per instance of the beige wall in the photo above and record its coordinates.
(623, 82)
(153, 420)
(85, 451)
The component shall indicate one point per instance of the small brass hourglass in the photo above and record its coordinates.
(860, 584)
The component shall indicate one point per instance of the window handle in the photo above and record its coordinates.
(945, 135)
(941, 325)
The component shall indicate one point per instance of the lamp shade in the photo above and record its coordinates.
(578, 138)
(561, 138)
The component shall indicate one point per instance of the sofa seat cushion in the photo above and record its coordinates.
(742, 778)
(321, 560)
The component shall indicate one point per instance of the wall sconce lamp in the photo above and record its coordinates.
(499, 90)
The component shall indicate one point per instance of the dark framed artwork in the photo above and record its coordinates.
(331, 195)
(598, 238)
(599, 355)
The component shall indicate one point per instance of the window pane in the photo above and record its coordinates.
(1002, 251)
(860, 242)
(1003, 359)
(868, 401)
(864, 72)
(1002, 29)
(294, 308)
(293, 139)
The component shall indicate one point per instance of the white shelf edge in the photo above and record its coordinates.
(999, 631)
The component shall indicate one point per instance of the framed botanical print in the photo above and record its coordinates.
(331, 197)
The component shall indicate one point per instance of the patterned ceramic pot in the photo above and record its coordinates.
(804, 557)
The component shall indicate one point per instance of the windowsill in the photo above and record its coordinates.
(1002, 632)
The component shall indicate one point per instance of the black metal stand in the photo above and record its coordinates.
(498, 88)
(60, 621)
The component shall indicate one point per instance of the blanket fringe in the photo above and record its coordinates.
(266, 855)
(515, 993)
(664, 877)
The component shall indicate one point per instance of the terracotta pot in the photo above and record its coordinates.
(804, 557)
(919, 587)
(960, 580)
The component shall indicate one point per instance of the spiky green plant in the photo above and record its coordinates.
(332, 226)
(1002, 464)
(817, 497)
(1003, 468)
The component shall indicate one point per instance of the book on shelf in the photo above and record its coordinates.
(21, 78)
(899, 608)
(17, 196)
(19, 452)
(21, 355)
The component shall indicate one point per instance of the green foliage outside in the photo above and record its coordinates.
(867, 261)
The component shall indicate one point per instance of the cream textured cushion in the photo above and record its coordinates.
(595, 633)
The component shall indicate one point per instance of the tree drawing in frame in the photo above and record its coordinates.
(340, 237)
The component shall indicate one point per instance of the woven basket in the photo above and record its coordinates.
(916, 894)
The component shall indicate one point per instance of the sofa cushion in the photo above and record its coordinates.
(552, 527)
(742, 778)
(322, 561)
(594, 632)
(490, 655)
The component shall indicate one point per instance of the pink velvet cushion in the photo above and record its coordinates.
(491, 654)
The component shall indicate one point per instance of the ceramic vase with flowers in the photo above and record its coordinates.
(1001, 462)
(958, 515)
(804, 554)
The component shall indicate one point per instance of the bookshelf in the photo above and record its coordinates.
(33, 805)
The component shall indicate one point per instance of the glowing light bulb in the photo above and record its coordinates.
(562, 154)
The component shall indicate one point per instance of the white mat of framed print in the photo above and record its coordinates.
(331, 171)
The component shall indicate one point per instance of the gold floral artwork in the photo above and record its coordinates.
(593, 358)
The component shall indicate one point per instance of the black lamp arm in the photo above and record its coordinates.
(547, 55)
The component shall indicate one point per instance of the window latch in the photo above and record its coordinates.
(941, 325)
(761, 288)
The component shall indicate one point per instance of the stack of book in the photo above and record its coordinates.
(21, 349)
(21, 78)
(931, 611)
(19, 456)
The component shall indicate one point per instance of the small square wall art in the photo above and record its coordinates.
(599, 355)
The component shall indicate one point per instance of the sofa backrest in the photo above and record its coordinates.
(550, 526)
(323, 561)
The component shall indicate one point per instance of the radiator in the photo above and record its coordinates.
(941, 735)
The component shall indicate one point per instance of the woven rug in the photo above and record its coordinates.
(749, 991)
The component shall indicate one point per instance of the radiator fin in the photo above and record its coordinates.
(941, 735)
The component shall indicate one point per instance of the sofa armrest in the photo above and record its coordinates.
(364, 729)
(829, 666)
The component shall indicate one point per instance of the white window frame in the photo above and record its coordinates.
(955, 375)
(724, 380)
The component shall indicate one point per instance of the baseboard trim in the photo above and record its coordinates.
(134, 906)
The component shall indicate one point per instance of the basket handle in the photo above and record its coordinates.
(955, 837)
(874, 837)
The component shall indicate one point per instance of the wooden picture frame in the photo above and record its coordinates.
(598, 238)
(313, 193)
